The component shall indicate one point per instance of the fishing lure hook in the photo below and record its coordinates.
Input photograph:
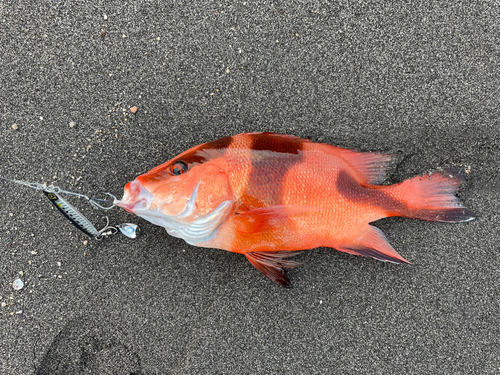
(93, 202)
(108, 230)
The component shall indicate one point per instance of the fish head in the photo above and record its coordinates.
(190, 195)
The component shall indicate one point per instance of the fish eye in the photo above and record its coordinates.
(178, 168)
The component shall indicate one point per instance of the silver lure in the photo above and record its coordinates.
(73, 215)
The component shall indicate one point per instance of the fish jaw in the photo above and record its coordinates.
(188, 224)
(136, 198)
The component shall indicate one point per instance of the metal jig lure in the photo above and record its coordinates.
(75, 216)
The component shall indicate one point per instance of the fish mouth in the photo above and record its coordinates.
(135, 198)
(202, 228)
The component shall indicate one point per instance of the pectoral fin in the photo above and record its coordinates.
(273, 264)
(265, 218)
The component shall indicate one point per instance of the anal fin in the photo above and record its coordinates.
(273, 264)
(372, 243)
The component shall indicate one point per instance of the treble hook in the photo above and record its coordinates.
(108, 230)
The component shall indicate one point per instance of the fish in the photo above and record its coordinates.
(269, 196)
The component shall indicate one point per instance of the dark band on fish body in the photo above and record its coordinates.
(203, 154)
(220, 145)
(277, 143)
(350, 189)
(272, 158)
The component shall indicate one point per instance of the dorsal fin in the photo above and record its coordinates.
(371, 166)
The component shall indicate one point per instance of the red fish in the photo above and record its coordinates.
(268, 195)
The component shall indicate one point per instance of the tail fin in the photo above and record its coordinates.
(431, 197)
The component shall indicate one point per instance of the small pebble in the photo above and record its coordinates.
(105, 17)
(4, 304)
(18, 284)
(58, 264)
(72, 124)
(85, 242)
(133, 109)
(15, 127)
(103, 34)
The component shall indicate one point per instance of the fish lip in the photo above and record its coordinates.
(132, 207)
(125, 206)
(143, 196)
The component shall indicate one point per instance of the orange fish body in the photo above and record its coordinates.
(267, 195)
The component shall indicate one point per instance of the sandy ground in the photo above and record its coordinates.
(419, 80)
